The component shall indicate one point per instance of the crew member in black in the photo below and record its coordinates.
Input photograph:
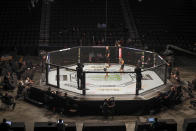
(138, 79)
(79, 69)
(9, 100)
(21, 86)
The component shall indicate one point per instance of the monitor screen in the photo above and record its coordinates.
(9, 122)
(151, 119)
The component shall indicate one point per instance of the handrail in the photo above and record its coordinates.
(106, 71)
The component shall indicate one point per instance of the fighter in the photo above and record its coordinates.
(106, 75)
(107, 55)
(122, 63)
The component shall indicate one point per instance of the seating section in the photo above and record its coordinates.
(19, 26)
(165, 22)
(76, 22)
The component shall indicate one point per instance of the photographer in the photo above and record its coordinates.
(9, 100)
(60, 125)
(9, 82)
(20, 89)
(157, 126)
(108, 107)
(5, 126)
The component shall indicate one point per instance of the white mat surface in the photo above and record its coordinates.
(98, 84)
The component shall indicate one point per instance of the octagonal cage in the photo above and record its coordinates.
(61, 70)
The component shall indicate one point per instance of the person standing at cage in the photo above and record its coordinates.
(138, 79)
(79, 70)
(107, 54)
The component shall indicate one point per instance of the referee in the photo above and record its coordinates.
(138, 79)
(79, 70)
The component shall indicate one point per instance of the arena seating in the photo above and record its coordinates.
(75, 22)
(162, 23)
(19, 26)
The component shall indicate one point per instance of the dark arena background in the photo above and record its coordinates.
(98, 65)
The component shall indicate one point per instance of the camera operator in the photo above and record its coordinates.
(9, 82)
(60, 125)
(108, 107)
(157, 125)
(5, 126)
(21, 87)
(9, 100)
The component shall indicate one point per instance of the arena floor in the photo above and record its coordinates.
(101, 84)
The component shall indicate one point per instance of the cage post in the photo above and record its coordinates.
(119, 53)
(46, 73)
(142, 60)
(58, 80)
